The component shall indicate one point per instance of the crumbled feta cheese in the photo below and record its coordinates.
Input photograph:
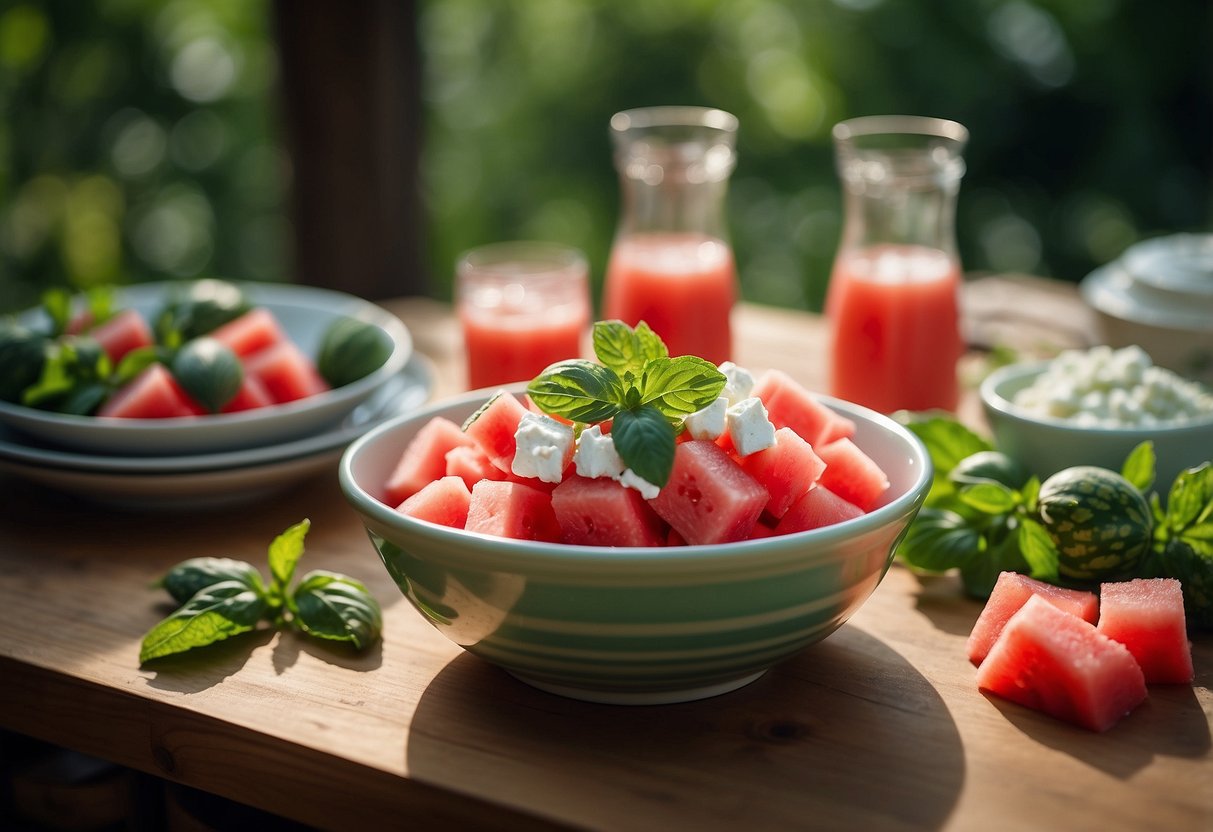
(544, 446)
(1103, 387)
(740, 382)
(710, 422)
(596, 455)
(749, 427)
(630, 479)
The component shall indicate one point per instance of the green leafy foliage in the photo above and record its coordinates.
(223, 597)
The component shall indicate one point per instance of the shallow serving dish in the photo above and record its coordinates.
(1046, 445)
(643, 625)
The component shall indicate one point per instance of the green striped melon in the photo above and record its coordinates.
(1101, 523)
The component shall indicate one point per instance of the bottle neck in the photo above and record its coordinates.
(673, 206)
(900, 214)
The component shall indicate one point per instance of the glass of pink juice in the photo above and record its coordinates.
(683, 285)
(522, 306)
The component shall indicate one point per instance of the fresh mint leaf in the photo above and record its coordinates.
(680, 386)
(644, 439)
(1191, 498)
(1139, 466)
(947, 443)
(1029, 495)
(1038, 550)
(215, 613)
(940, 540)
(187, 578)
(284, 554)
(625, 350)
(338, 608)
(988, 497)
(579, 390)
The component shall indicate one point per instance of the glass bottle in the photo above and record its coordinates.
(671, 264)
(893, 299)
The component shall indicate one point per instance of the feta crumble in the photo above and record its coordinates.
(596, 455)
(544, 445)
(630, 479)
(710, 422)
(749, 427)
(739, 384)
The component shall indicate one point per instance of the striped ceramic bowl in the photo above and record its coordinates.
(643, 625)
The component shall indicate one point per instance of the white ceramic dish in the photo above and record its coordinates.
(304, 313)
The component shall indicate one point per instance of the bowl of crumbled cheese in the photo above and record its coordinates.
(1093, 407)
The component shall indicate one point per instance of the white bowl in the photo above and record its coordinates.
(304, 313)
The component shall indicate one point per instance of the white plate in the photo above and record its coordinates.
(207, 481)
(304, 313)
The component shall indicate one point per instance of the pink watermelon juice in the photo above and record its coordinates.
(895, 334)
(515, 345)
(682, 285)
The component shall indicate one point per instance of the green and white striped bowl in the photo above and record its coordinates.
(643, 625)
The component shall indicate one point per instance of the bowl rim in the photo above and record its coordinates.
(995, 401)
(522, 553)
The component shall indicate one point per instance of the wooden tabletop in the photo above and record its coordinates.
(878, 727)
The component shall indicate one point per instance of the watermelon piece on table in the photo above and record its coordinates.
(708, 498)
(493, 428)
(251, 395)
(851, 474)
(602, 512)
(788, 469)
(250, 333)
(511, 509)
(424, 459)
(818, 507)
(153, 394)
(444, 501)
(1011, 591)
(1146, 615)
(286, 373)
(1055, 662)
(123, 332)
(790, 405)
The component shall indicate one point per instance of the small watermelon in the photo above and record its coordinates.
(1146, 615)
(1100, 522)
(1011, 591)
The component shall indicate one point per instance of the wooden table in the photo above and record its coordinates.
(878, 727)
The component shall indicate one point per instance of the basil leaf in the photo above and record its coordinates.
(1038, 550)
(988, 497)
(1199, 538)
(284, 554)
(624, 349)
(216, 613)
(579, 390)
(57, 303)
(187, 578)
(940, 540)
(1030, 494)
(644, 439)
(1002, 554)
(84, 399)
(1191, 497)
(209, 371)
(336, 607)
(1139, 466)
(203, 306)
(947, 442)
(680, 386)
(134, 363)
(23, 354)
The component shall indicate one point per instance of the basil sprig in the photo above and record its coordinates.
(222, 597)
(639, 386)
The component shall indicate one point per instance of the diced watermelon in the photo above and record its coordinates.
(1010, 592)
(445, 501)
(602, 512)
(790, 405)
(787, 470)
(494, 427)
(286, 372)
(251, 395)
(818, 507)
(1057, 663)
(708, 498)
(762, 529)
(153, 394)
(1146, 615)
(851, 474)
(123, 332)
(470, 464)
(424, 459)
(511, 509)
(250, 333)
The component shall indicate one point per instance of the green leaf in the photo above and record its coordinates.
(216, 613)
(1029, 495)
(623, 349)
(209, 371)
(187, 578)
(1002, 554)
(1139, 466)
(1191, 497)
(1038, 550)
(680, 386)
(336, 607)
(988, 497)
(198, 309)
(644, 439)
(947, 441)
(23, 353)
(940, 540)
(579, 390)
(134, 363)
(284, 554)
(1199, 538)
(57, 303)
(84, 399)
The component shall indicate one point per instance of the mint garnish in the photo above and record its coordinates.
(639, 386)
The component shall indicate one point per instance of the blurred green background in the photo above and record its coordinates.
(142, 140)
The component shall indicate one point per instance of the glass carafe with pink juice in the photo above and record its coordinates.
(671, 264)
(893, 298)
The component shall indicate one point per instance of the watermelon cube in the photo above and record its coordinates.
(1055, 662)
(511, 509)
(251, 395)
(494, 426)
(470, 464)
(818, 507)
(1010, 592)
(1146, 615)
(424, 459)
(250, 333)
(851, 474)
(790, 405)
(124, 332)
(787, 470)
(602, 512)
(444, 501)
(288, 374)
(708, 498)
(153, 394)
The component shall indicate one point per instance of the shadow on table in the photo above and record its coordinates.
(823, 740)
